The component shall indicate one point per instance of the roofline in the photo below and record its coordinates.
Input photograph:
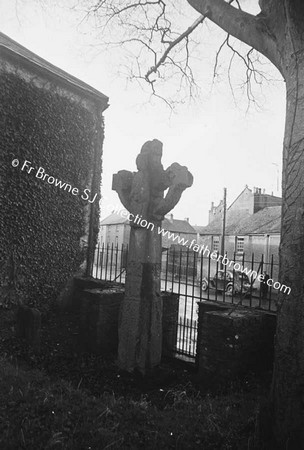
(14, 48)
(269, 233)
(269, 195)
(127, 222)
(246, 187)
(244, 234)
(212, 234)
(184, 222)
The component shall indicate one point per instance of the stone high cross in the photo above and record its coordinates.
(142, 194)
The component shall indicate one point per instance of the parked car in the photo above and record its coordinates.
(232, 282)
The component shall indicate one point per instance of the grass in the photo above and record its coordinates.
(60, 398)
(37, 412)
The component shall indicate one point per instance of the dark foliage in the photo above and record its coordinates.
(41, 225)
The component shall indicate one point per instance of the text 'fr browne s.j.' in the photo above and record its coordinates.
(41, 174)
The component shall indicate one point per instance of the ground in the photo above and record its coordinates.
(61, 399)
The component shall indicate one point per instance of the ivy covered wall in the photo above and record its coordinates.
(44, 227)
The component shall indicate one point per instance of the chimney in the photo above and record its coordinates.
(171, 217)
(186, 219)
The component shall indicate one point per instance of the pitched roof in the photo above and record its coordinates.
(8, 44)
(246, 188)
(178, 226)
(175, 226)
(199, 228)
(233, 219)
(114, 219)
(267, 220)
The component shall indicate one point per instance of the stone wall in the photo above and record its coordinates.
(170, 323)
(204, 307)
(234, 344)
(99, 312)
(98, 304)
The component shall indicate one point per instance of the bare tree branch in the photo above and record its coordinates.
(252, 72)
(244, 26)
(218, 55)
(147, 25)
(172, 44)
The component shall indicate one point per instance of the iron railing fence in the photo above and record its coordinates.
(109, 263)
(195, 278)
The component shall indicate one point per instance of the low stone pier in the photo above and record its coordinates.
(98, 310)
(232, 344)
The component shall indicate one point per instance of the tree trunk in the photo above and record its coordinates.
(288, 375)
(278, 33)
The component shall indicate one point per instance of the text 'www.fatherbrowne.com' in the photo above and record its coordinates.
(202, 249)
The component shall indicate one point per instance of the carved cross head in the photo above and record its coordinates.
(142, 192)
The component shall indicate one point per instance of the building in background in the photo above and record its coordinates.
(248, 202)
(115, 230)
(253, 225)
(177, 227)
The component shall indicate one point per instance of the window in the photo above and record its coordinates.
(117, 228)
(239, 245)
(215, 243)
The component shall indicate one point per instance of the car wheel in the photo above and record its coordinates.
(204, 285)
(229, 289)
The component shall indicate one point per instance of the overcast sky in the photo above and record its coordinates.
(220, 143)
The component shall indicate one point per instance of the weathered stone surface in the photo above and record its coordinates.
(99, 314)
(99, 311)
(82, 283)
(170, 323)
(203, 307)
(140, 325)
(98, 321)
(28, 324)
(234, 344)
(142, 193)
